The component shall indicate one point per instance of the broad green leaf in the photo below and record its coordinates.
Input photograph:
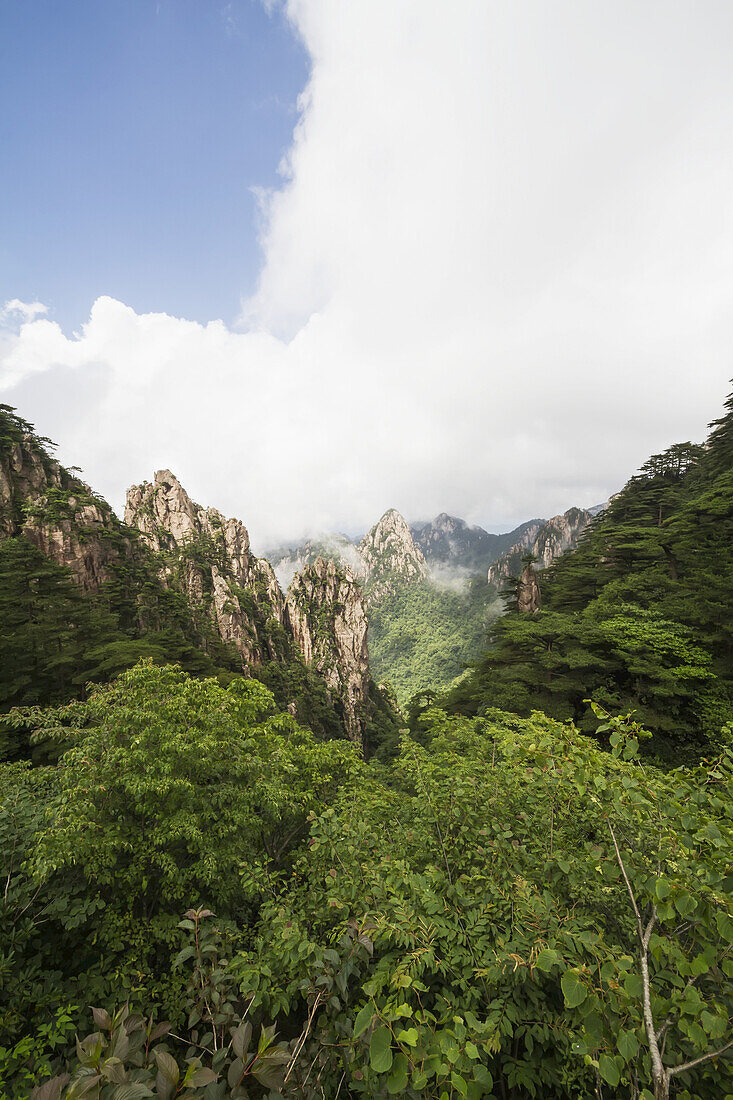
(397, 1080)
(685, 904)
(661, 888)
(241, 1038)
(458, 1084)
(546, 960)
(725, 925)
(482, 1075)
(380, 1050)
(608, 1069)
(628, 1045)
(573, 989)
(364, 1017)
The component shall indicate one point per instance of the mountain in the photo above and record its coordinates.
(84, 596)
(208, 558)
(552, 539)
(391, 558)
(323, 614)
(326, 614)
(452, 547)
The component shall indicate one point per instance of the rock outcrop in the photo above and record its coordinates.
(56, 512)
(209, 557)
(529, 597)
(327, 618)
(323, 619)
(552, 540)
(390, 555)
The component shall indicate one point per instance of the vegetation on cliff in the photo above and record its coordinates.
(639, 616)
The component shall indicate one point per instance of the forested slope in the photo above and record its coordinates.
(639, 615)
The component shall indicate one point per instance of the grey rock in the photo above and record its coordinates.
(327, 617)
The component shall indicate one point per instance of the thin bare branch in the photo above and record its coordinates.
(698, 1061)
(626, 877)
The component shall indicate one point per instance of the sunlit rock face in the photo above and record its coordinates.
(390, 555)
(529, 598)
(326, 615)
(57, 513)
(552, 540)
(209, 558)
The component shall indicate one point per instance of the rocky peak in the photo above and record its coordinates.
(209, 557)
(559, 534)
(163, 512)
(327, 617)
(390, 555)
(553, 539)
(289, 560)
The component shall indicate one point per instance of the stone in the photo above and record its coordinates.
(328, 621)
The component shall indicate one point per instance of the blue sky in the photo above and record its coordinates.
(131, 133)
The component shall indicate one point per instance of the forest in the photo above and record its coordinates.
(521, 889)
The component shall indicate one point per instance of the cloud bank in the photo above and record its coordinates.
(498, 273)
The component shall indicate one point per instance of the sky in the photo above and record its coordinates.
(323, 259)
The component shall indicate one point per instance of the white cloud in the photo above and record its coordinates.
(498, 274)
(25, 311)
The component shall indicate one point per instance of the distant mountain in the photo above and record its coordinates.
(554, 538)
(390, 556)
(449, 544)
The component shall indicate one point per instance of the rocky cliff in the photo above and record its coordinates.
(208, 556)
(529, 597)
(327, 617)
(55, 511)
(390, 556)
(177, 582)
(323, 618)
(554, 538)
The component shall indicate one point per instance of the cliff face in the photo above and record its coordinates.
(57, 513)
(180, 581)
(209, 557)
(529, 598)
(326, 614)
(390, 555)
(554, 538)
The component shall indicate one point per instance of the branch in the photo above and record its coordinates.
(626, 878)
(702, 1058)
(644, 937)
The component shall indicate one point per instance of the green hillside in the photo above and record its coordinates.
(639, 616)
(421, 636)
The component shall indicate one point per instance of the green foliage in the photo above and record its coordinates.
(167, 788)
(475, 918)
(483, 870)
